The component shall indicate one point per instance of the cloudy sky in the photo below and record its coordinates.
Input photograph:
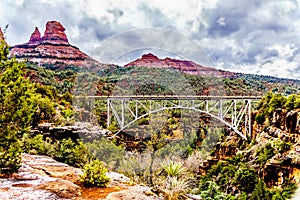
(251, 36)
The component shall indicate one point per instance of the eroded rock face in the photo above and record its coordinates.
(55, 31)
(189, 67)
(291, 121)
(35, 36)
(80, 130)
(135, 192)
(41, 177)
(53, 49)
(62, 188)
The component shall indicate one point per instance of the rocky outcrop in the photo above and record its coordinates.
(135, 192)
(55, 31)
(35, 36)
(53, 50)
(291, 121)
(189, 67)
(80, 130)
(41, 177)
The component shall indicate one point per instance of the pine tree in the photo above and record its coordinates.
(16, 109)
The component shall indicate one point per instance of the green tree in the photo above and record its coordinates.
(260, 191)
(16, 109)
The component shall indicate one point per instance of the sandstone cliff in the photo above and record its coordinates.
(53, 48)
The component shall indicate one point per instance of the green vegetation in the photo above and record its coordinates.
(94, 174)
(107, 151)
(16, 110)
(166, 154)
(173, 168)
(74, 154)
(66, 150)
(235, 179)
(274, 101)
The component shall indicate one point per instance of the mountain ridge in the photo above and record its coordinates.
(185, 66)
(53, 49)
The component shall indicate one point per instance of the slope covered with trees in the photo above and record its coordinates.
(232, 168)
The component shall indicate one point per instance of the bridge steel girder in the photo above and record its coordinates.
(238, 110)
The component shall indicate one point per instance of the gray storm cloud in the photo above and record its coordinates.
(236, 35)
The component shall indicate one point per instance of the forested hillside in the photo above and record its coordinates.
(266, 166)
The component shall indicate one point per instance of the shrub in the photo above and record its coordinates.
(264, 154)
(71, 153)
(45, 110)
(35, 145)
(174, 188)
(10, 158)
(94, 174)
(282, 146)
(212, 191)
(173, 168)
(106, 151)
(260, 118)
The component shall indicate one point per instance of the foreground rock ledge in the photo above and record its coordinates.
(41, 177)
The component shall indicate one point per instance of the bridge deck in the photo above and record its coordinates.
(171, 97)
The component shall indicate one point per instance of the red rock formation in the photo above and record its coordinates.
(189, 67)
(55, 31)
(149, 56)
(53, 48)
(35, 36)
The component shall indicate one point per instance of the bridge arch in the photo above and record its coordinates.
(187, 108)
(236, 108)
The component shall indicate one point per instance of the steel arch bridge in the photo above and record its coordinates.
(233, 111)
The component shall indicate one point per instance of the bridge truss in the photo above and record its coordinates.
(233, 111)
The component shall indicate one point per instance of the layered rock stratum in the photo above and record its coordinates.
(41, 177)
(53, 48)
(185, 66)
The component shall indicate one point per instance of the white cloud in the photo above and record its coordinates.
(221, 21)
(248, 36)
(285, 50)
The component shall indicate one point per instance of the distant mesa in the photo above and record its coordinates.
(53, 48)
(185, 66)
